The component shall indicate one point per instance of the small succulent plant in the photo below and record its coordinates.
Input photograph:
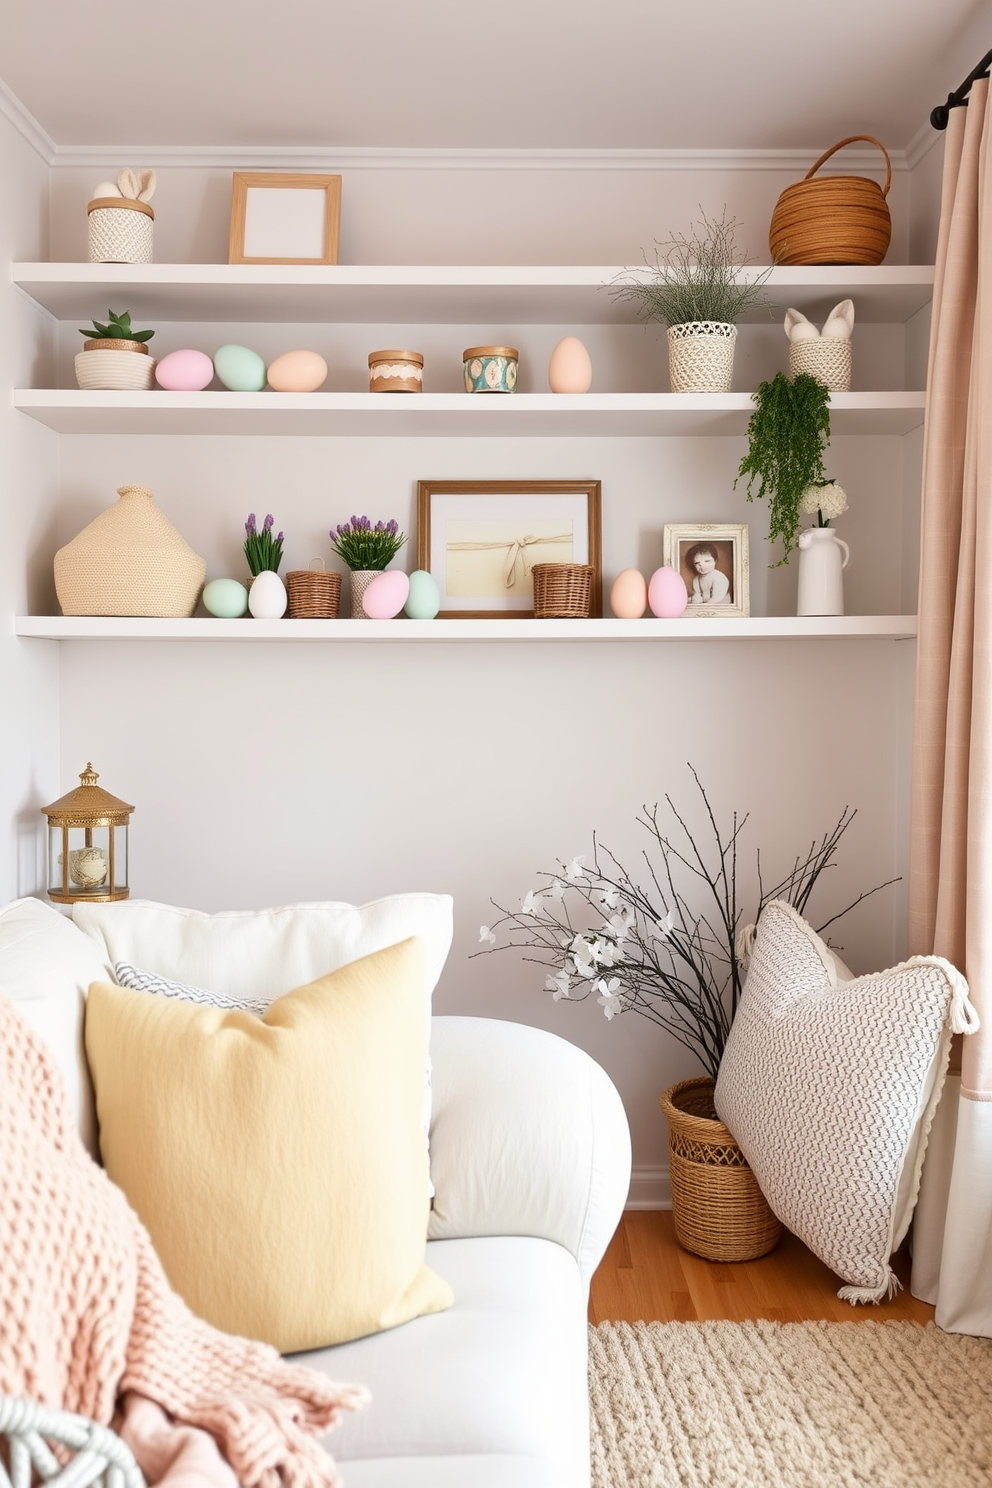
(119, 329)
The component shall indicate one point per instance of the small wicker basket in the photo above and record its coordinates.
(720, 1212)
(313, 594)
(827, 358)
(562, 591)
(834, 220)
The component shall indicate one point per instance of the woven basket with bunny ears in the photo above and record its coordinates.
(120, 227)
(835, 219)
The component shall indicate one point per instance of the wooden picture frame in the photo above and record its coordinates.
(717, 580)
(301, 225)
(480, 539)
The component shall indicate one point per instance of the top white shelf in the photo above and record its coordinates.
(430, 294)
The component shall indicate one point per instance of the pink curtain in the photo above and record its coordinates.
(950, 889)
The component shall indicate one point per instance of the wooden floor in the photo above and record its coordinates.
(647, 1276)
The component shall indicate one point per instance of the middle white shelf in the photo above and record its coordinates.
(73, 411)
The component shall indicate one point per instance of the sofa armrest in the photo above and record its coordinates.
(528, 1137)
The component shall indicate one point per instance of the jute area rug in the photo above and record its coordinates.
(789, 1405)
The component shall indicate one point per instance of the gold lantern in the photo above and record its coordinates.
(87, 844)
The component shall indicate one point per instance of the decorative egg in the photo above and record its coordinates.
(267, 596)
(225, 598)
(386, 594)
(667, 594)
(629, 595)
(570, 367)
(297, 372)
(424, 599)
(185, 371)
(240, 369)
(105, 189)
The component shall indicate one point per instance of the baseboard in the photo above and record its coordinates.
(649, 1189)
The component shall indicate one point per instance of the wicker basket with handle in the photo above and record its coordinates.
(720, 1212)
(312, 593)
(562, 591)
(834, 219)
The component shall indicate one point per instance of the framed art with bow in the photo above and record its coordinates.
(481, 539)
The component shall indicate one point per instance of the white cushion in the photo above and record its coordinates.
(491, 1393)
(830, 1086)
(46, 966)
(261, 953)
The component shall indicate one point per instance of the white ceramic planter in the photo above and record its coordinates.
(821, 572)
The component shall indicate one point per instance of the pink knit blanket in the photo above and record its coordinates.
(86, 1312)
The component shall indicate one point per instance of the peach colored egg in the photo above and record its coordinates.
(186, 371)
(629, 595)
(667, 594)
(386, 595)
(297, 372)
(570, 367)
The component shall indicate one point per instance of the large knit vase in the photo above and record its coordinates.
(129, 561)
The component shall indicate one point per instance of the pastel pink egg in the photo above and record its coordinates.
(185, 371)
(667, 594)
(386, 594)
(297, 372)
(629, 595)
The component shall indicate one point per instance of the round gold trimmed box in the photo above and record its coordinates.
(490, 369)
(396, 372)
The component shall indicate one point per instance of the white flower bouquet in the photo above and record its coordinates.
(827, 499)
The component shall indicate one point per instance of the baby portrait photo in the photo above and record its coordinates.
(712, 561)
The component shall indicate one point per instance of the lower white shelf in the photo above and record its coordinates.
(101, 628)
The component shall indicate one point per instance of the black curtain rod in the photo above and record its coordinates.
(959, 98)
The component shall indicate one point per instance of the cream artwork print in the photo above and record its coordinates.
(481, 540)
(493, 560)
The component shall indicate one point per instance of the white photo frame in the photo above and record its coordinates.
(712, 560)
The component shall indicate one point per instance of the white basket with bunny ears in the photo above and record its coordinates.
(826, 354)
(120, 219)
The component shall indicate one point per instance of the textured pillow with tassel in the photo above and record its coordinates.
(830, 1085)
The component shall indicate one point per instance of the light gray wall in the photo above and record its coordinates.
(273, 773)
(29, 705)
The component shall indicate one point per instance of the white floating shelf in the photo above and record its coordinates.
(98, 628)
(72, 411)
(429, 294)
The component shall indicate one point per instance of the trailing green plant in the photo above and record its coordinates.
(697, 277)
(644, 946)
(118, 329)
(787, 435)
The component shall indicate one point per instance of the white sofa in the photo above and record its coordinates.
(530, 1160)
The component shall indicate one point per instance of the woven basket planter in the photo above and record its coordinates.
(701, 356)
(562, 591)
(313, 595)
(720, 1212)
(827, 358)
(833, 220)
(119, 230)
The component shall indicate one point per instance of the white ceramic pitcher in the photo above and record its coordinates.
(821, 569)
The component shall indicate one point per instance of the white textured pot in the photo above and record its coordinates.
(361, 578)
(701, 356)
(823, 556)
(121, 371)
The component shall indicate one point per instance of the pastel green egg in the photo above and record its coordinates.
(424, 599)
(225, 598)
(240, 369)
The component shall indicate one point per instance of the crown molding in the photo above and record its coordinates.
(27, 125)
(206, 157)
(923, 141)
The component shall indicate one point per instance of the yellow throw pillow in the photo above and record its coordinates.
(278, 1162)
